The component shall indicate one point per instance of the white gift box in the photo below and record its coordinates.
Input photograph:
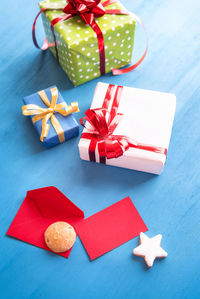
(147, 118)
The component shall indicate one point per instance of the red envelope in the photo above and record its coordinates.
(110, 228)
(99, 233)
(40, 208)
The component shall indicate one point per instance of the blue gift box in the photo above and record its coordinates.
(68, 123)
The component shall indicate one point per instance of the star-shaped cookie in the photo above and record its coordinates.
(150, 249)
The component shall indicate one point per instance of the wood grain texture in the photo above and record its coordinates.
(169, 204)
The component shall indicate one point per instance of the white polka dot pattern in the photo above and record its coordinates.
(78, 47)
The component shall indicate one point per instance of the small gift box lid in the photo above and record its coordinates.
(147, 118)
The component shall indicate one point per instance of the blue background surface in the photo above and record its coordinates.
(169, 204)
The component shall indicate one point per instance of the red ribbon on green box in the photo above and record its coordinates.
(88, 10)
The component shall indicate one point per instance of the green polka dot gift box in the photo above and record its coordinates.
(77, 43)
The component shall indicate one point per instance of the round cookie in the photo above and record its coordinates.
(60, 236)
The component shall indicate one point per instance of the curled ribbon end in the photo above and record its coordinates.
(115, 72)
(75, 107)
(45, 132)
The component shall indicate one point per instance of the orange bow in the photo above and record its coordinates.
(48, 113)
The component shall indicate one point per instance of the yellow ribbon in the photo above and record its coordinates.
(48, 113)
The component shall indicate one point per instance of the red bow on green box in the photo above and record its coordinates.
(88, 10)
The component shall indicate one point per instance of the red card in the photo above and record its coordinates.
(40, 208)
(110, 228)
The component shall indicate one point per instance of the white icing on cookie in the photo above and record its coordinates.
(150, 249)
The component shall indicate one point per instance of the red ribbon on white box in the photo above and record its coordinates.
(102, 126)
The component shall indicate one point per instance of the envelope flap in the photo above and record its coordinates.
(51, 203)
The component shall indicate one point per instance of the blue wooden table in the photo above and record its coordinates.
(169, 203)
